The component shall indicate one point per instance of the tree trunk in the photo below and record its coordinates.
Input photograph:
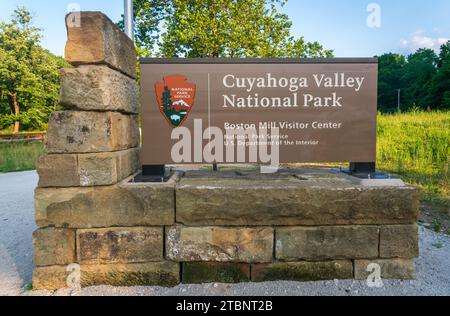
(16, 112)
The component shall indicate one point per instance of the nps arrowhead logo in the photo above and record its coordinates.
(175, 98)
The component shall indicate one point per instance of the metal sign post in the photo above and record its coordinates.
(128, 18)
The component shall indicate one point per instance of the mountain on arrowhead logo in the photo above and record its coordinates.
(175, 96)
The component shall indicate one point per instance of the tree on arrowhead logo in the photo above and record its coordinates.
(175, 96)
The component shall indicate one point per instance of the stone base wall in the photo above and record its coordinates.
(231, 226)
(136, 233)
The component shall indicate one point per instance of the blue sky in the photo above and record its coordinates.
(338, 24)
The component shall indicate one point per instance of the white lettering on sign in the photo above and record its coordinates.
(269, 81)
(238, 145)
(335, 81)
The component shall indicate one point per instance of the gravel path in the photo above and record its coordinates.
(17, 225)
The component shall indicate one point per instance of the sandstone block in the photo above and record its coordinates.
(303, 271)
(99, 168)
(50, 278)
(287, 201)
(219, 244)
(165, 273)
(399, 241)
(209, 272)
(92, 38)
(129, 162)
(58, 171)
(123, 205)
(71, 170)
(54, 246)
(107, 168)
(120, 245)
(98, 88)
(88, 132)
(400, 269)
(326, 242)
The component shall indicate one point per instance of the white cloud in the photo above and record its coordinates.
(419, 40)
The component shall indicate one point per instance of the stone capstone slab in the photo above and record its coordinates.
(120, 245)
(98, 88)
(72, 170)
(123, 205)
(399, 241)
(54, 246)
(302, 271)
(209, 272)
(326, 243)
(398, 269)
(89, 132)
(287, 200)
(92, 38)
(220, 244)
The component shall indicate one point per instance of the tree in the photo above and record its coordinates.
(390, 79)
(29, 75)
(148, 17)
(423, 77)
(218, 28)
(418, 73)
(166, 99)
(440, 86)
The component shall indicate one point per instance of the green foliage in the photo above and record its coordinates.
(423, 77)
(440, 88)
(437, 226)
(419, 71)
(218, 28)
(28, 287)
(390, 74)
(148, 17)
(29, 74)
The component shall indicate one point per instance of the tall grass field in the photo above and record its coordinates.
(416, 146)
(19, 156)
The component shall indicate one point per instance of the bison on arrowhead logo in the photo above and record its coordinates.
(175, 96)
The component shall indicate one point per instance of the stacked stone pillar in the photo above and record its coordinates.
(92, 144)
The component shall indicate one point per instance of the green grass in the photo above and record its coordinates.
(19, 156)
(416, 146)
(28, 287)
(9, 131)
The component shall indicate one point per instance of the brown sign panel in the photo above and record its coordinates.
(323, 110)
